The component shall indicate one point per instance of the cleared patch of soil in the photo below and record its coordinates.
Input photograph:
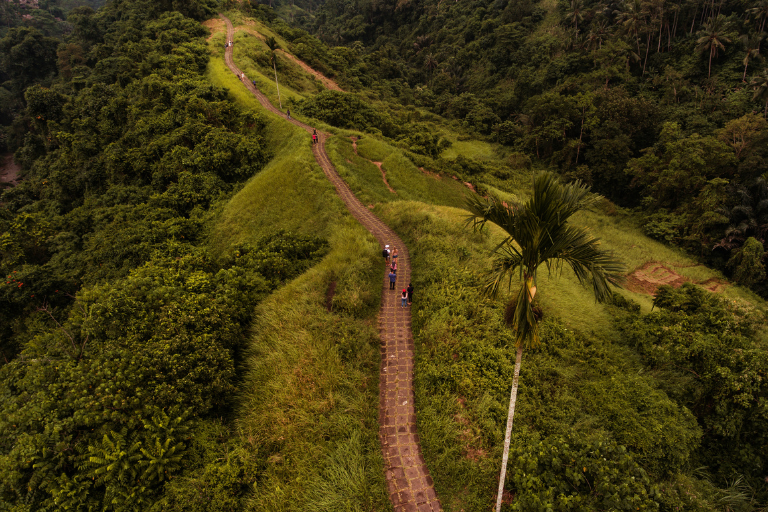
(215, 25)
(650, 276)
(9, 170)
(354, 144)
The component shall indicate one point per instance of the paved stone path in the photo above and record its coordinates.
(408, 481)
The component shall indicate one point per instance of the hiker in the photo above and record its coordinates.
(289, 113)
(394, 254)
(315, 137)
(385, 253)
(394, 266)
(410, 293)
(404, 298)
(392, 279)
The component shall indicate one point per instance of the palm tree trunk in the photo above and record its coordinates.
(508, 433)
(711, 51)
(277, 84)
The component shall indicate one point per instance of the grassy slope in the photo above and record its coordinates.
(465, 345)
(309, 399)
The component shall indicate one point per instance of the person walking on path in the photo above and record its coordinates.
(314, 140)
(385, 253)
(394, 254)
(392, 279)
(394, 266)
(404, 299)
(289, 113)
(410, 293)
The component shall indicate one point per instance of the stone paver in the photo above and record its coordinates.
(408, 482)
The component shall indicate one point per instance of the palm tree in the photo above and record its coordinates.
(760, 13)
(576, 13)
(760, 84)
(430, 63)
(712, 37)
(538, 234)
(273, 46)
(752, 49)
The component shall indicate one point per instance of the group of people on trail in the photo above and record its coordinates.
(229, 43)
(390, 258)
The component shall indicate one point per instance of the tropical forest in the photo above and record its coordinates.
(383, 255)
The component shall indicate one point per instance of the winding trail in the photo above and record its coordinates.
(408, 482)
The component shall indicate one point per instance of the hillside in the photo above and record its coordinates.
(192, 319)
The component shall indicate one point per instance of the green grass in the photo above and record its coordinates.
(290, 193)
(476, 149)
(409, 183)
(310, 399)
(579, 382)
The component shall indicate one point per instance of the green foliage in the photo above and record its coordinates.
(700, 347)
(347, 110)
(538, 234)
(162, 339)
(574, 473)
(747, 263)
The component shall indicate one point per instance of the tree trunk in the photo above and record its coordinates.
(274, 65)
(508, 433)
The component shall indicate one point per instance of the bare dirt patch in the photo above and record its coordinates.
(215, 25)
(354, 144)
(9, 170)
(647, 279)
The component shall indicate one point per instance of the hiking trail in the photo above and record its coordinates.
(409, 484)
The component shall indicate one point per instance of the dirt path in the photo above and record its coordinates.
(409, 484)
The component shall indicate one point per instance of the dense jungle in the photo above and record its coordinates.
(189, 315)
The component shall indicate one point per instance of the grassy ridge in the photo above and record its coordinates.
(309, 400)
(290, 193)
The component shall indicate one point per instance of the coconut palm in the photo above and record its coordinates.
(538, 233)
(759, 13)
(760, 85)
(712, 37)
(751, 49)
(576, 13)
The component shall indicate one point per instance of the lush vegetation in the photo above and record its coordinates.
(187, 320)
(605, 419)
(659, 106)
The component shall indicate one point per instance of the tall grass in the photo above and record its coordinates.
(578, 382)
(408, 181)
(310, 398)
(309, 395)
